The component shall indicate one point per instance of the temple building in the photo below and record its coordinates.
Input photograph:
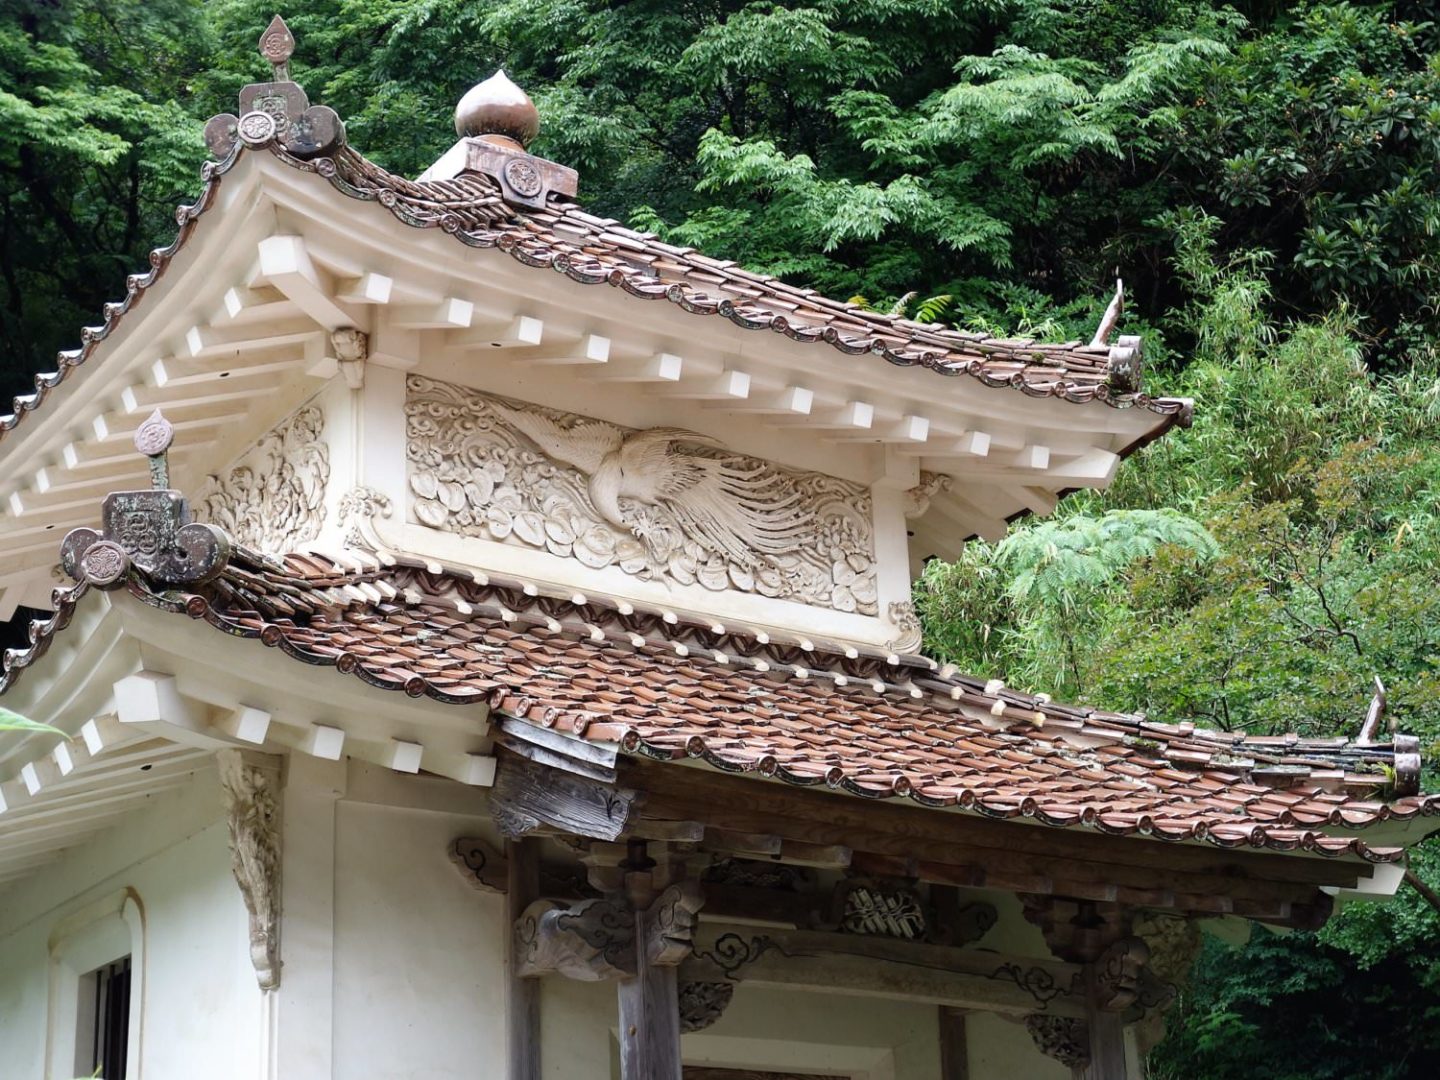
(482, 639)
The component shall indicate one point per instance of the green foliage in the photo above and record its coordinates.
(13, 721)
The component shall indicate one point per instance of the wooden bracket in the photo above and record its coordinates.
(480, 864)
(605, 938)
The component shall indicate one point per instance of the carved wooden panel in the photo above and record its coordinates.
(274, 498)
(658, 503)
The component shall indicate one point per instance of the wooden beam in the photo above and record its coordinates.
(366, 289)
(791, 402)
(970, 445)
(509, 332)
(665, 368)
(867, 966)
(451, 313)
(589, 349)
(528, 797)
(827, 817)
(229, 341)
(909, 430)
(285, 263)
(728, 387)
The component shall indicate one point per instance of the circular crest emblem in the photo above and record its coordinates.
(104, 563)
(256, 128)
(154, 436)
(523, 177)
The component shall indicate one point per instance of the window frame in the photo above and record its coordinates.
(98, 934)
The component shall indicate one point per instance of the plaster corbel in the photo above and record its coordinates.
(251, 787)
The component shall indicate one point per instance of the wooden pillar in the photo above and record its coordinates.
(1108, 983)
(954, 1055)
(522, 995)
(650, 1024)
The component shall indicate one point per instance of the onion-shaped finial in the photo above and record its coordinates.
(497, 107)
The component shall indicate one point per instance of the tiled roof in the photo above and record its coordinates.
(874, 725)
(594, 250)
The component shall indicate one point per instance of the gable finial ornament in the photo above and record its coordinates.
(496, 122)
(147, 531)
(277, 112)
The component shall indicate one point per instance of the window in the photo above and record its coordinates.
(97, 978)
(103, 1037)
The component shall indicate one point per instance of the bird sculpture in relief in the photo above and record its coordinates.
(747, 513)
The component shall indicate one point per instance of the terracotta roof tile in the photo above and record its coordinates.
(594, 251)
(831, 726)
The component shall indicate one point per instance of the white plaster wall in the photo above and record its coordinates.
(860, 1038)
(202, 1009)
(999, 1049)
(419, 953)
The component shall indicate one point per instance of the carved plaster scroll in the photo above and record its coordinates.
(274, 498)
(659, 503)
(351, 348)
(252, 815)
(910, 634)
(479, 862)
(917, 498)
(1063, 1038)
(1174, 943)
(668, 924)
(357, 510)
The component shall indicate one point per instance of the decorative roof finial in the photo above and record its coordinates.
(153, 439)
(277, 45)
(497, 107)
(149, 531)
(276, 114)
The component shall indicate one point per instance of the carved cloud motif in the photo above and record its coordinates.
(274, 499)
(658, 503)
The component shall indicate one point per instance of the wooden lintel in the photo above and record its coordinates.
(975, 851)
(856, 964)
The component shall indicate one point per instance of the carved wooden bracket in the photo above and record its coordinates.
(1118, 974)
(703, 1003)
(482, 865)
(1077, 931)
(251, 787)
(591, 941)
(1063, 1038)
(602, 939)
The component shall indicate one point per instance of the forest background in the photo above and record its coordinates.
(1265, 176)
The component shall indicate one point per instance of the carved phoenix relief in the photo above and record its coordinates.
(661, 503)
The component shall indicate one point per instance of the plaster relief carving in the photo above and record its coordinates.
(274, 499)
(660, 503)
(252, 815)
